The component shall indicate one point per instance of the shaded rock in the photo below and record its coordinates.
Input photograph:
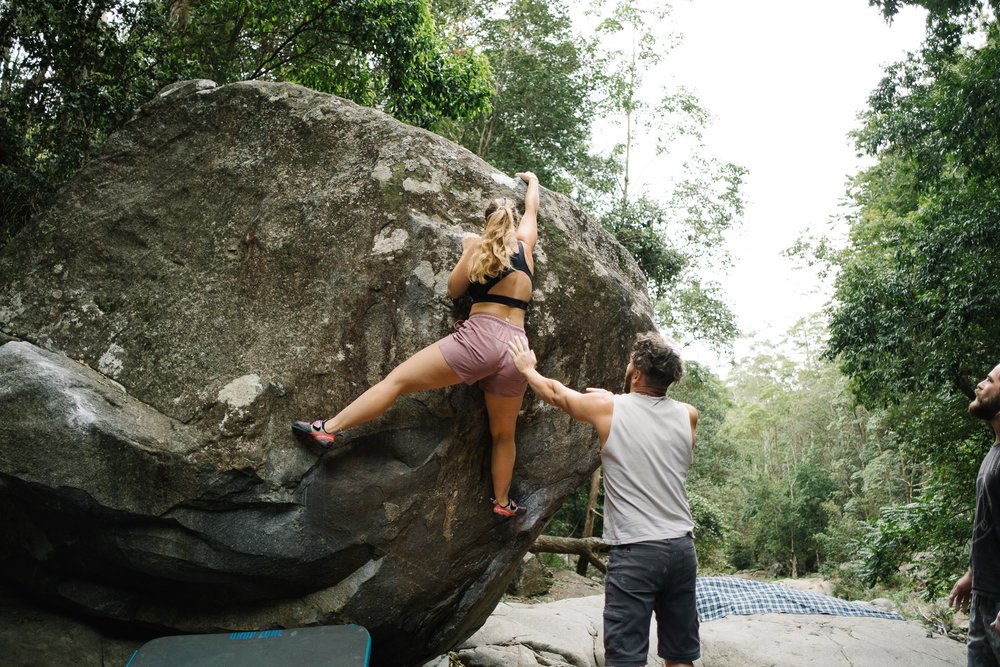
(959, 624)
(31, 636)
(531, 578)
(810, 584)
(885, 603)
(238, 257)
(569, 584)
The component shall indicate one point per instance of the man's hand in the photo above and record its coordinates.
(524, 358)
(527, 176)
(593, 407)
(961, 593)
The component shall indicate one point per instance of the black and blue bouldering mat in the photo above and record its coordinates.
(323, 646)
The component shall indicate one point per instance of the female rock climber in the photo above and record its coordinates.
(495, 269)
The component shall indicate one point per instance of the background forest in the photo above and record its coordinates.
(851, 455)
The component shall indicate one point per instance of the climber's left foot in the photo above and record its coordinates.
(508, 510)
(314, 432)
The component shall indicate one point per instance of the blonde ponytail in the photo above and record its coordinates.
(493, 255)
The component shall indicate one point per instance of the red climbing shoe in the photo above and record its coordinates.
(313, 432)
(508, 510)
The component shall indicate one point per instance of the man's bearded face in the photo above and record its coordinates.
(987, 402)
(985, 408)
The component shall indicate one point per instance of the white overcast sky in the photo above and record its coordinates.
(784, 81)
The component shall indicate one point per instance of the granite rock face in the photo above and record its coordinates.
(571, 632)
(240, 256)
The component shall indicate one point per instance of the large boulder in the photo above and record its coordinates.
(238, 257)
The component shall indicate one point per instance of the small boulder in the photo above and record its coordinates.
(531, 578)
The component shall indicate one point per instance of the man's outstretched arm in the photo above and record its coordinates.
(594, 407)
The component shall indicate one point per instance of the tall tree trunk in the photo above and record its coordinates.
(795, 560)
(588, 522)
(490, 124)
(628, 128)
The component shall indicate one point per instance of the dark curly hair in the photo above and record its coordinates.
(657, 359)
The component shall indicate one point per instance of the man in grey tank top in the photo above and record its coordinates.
(647, 442)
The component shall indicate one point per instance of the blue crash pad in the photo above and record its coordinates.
(326, 646)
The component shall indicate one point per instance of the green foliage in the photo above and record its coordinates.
(839, 540)
(786, 516)
(918, 539)
(675, 234)
(569, 518)
(68, 77)
(740, 554)
(710, 533)
(713, 462)
(938, 8)
(714, 459)
(807, 462)
(914, 307)
(542, 111)
(641, 226)
(555, 88)
(72, 73)
(914, 319)
(553, 561)
(697, 310)
(383, 53)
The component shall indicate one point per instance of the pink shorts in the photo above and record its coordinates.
(478, 352)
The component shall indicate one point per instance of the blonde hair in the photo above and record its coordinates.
(493, 255)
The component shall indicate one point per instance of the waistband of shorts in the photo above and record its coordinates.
(487, 316)
(663, 541)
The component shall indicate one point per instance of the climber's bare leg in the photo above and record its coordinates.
(502, 411)
(426, 369)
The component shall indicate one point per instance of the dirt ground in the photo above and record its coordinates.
(566, 584)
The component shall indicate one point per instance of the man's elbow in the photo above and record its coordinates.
(561, 400)
(550, 392)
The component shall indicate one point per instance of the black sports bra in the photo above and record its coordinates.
(480, 292)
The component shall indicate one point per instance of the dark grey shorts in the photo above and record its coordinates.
(983, 643)
(643, 578)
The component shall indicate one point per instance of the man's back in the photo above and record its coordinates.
(646, 451)
(646, 459)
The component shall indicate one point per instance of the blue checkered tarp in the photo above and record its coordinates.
(718, 597)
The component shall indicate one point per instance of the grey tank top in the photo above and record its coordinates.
(646, 460)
